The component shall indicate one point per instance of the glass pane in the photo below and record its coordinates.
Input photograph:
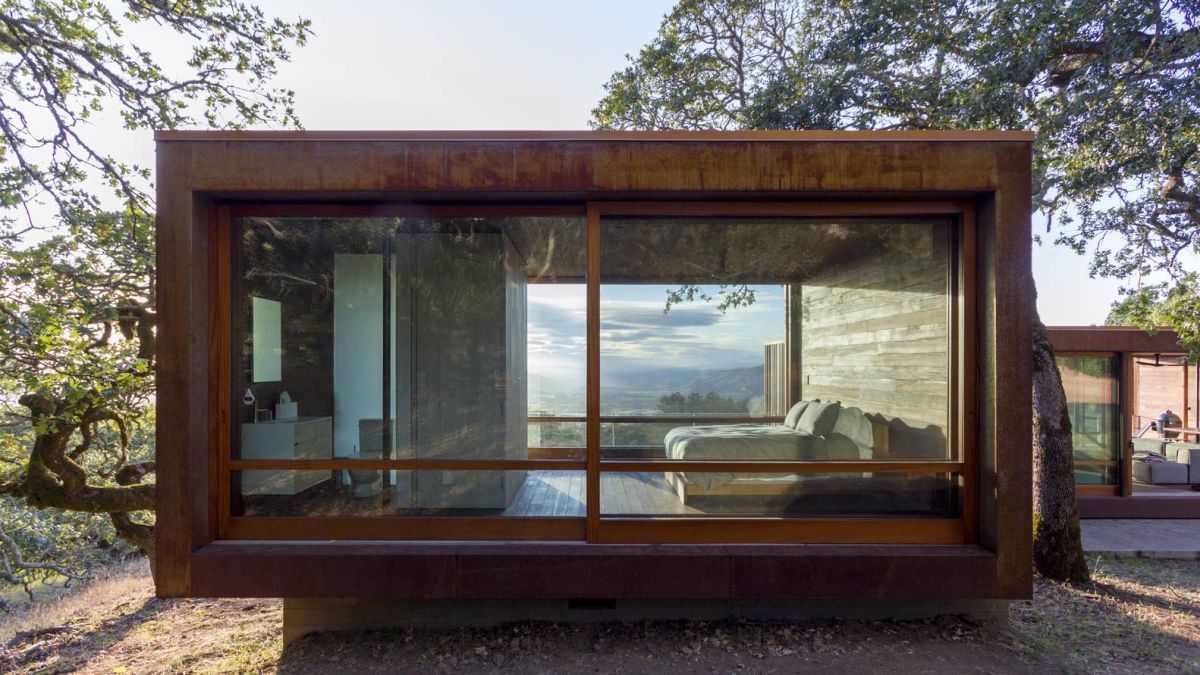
(558, 360)
(777, 494)
(409, 338)
(713, 330)
(557, 435)
(409, 493)
(636, 439)
(482, 325)
(307, 389)
(1096, 475)
(1090, 383)
(558, 364)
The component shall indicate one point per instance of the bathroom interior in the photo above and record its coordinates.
(384, 338)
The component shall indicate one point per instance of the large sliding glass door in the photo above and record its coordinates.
(1091, 383)
(402, 357)
(620, 373)
(704, 309)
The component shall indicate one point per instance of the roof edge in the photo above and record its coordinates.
(198, 135)
(1157, 330)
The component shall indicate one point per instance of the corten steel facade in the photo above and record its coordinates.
(952, 206)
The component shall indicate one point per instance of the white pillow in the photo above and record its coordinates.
(794, 413)
(853, 424)
(819, 418)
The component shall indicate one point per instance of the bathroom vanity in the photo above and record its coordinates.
(296, 438)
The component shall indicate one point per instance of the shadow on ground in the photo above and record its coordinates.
(1138, 616)
(68, 646)
(944, 644)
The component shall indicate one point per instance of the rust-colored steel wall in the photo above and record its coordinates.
(198, 172)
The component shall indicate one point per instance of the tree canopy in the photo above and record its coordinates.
(710, 403)
(1109, 87)
(77, 314)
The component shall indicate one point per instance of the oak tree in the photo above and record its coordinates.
(77, 295)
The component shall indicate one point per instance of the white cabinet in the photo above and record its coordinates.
(299, 438)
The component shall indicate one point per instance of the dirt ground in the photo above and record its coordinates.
(1136, 616)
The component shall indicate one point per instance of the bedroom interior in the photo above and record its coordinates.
(407, 338)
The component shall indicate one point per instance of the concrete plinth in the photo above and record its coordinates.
(302, 616)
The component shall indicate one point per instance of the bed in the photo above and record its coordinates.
(811, 431)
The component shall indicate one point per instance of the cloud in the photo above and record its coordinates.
(634, 330)
(557, 336)
(636, 315)
(627, 335)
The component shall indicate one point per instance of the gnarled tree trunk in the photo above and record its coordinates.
(53, 479)
(1057, 547)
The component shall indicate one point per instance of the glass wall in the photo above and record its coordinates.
(703, 321)
(418, 365)
(776, 495)
(405, 339)
(557, 368)
(1093, 405)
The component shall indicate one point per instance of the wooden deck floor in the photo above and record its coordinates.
(561, 493)
(1179, 491)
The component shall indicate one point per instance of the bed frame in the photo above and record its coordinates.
(685, 490)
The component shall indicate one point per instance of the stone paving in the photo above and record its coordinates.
(1134, 538)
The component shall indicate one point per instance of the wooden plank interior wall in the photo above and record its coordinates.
(1159, 389)
(873, 335)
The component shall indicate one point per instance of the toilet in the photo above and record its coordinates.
(366, 482)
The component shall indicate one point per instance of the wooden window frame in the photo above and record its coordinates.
(801, 529)
(365, 528)
(593, 528)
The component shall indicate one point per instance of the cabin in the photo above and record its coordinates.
(1119, 381)
(568, 371)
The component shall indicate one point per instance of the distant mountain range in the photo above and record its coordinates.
(632, 388)
(728, 382)
(731, 383)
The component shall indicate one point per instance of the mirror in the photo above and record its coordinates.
(265, 317)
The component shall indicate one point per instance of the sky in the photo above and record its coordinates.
(533, 64)
(637, 335)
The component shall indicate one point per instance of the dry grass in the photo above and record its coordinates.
(116, 625)
(57, 605)
(1137, 616)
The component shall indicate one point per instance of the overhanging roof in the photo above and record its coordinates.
(588, 135)
(1113, 339)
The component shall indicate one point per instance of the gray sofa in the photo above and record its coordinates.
(1160, 462)
(1155, 445)
(1186, 454)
